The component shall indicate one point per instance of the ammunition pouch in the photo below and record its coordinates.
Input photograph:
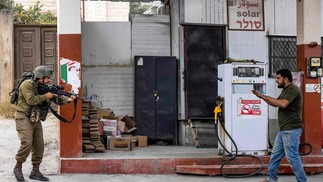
(43, 110)
(38, 112)
(43, 114)
(33, 114)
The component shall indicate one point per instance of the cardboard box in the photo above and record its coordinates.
(108, 127)
(142, 141)
(132, 138)
(121, 126)
(120, 143)
(129, 124)
(134, 143)
(104, 112)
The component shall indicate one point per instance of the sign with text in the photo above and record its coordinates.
(246, 15)
(250, 107)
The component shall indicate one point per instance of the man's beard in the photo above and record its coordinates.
(281, 85)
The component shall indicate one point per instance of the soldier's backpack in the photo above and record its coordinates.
(15, 91)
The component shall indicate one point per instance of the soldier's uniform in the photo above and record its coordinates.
(31, 109)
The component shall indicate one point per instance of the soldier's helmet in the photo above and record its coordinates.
(42, 71)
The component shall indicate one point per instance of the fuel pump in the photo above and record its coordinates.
(245, 115)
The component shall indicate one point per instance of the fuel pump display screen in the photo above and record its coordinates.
(248, 72)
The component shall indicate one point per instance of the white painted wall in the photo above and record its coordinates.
(308, 13)
(106, 11)
(114, 87)
(68, 17)
(107, 67)
(107, 51)
(106, 43)
(281, 17)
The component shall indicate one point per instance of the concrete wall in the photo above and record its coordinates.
(6, 54)
(107, 51)
(94, 10)
(107, 67)
(106, 11)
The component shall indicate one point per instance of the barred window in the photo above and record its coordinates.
(282, 53)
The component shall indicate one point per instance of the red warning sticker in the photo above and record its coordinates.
(250, 107)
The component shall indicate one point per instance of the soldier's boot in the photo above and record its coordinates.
(17, 171)
(36, 174)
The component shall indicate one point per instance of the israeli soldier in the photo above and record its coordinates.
(32, 107)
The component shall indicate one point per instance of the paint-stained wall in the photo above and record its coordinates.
(70, 59)
(6, 54)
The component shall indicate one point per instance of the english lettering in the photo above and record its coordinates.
(248, 14)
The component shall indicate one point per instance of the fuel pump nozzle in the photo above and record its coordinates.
(218, 109)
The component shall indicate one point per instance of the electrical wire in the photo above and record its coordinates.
(231, 156)
(309, 151)
(300, 146)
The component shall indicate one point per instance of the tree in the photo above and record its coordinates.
(138, 8)
(5, 4)
(32, 15)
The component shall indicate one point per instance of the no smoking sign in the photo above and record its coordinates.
(250, 107)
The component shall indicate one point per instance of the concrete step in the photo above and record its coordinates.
(165, 160)
(242, 169)
(172, 165)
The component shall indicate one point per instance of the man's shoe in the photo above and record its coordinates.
(17, 171)
(37, 175)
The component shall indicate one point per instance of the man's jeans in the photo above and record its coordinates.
(287, 143)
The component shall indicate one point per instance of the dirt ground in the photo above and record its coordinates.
(9, 144)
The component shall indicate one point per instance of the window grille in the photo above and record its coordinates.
(282, 53)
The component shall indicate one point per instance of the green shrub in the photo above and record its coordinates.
(5, 4)
(32, 15)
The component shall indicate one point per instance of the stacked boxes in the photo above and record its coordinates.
(90, 129)
(102, 125)
(109, 127)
